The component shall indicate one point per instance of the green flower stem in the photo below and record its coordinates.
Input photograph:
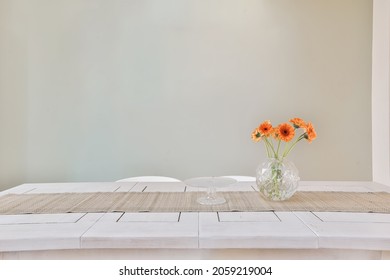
(287, 151)
(272, 147)
(276, 179)
(267, 149)
(277, 151)
(269, 145)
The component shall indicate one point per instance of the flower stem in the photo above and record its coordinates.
(277, 151)
(287, 151)
(272, 147)
(267, 149)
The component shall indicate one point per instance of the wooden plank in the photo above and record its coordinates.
(288, 232)
(353, 217)
(248, 217)
(108, 233)
(40, 218)
(364, 234)
(150, 217)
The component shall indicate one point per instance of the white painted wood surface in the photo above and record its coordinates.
(210, 235)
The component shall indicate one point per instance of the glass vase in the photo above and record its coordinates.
(277, 179)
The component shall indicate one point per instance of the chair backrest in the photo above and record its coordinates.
(242, 178)
(149, 179)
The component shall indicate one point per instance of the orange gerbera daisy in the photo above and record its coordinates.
(297, 122)
(286, 132)
(266, 128)
(310, 134)
(256, 135)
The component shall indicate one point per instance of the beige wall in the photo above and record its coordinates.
(381, 91)
(100, 90)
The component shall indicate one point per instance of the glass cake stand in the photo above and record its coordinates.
(211, 183)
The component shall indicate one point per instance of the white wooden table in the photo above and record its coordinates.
(203, 235)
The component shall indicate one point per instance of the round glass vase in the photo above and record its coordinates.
(277, 179)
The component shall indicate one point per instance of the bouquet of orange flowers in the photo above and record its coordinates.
(285, 132)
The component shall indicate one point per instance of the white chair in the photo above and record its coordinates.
(242, 178)
(149, 179)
